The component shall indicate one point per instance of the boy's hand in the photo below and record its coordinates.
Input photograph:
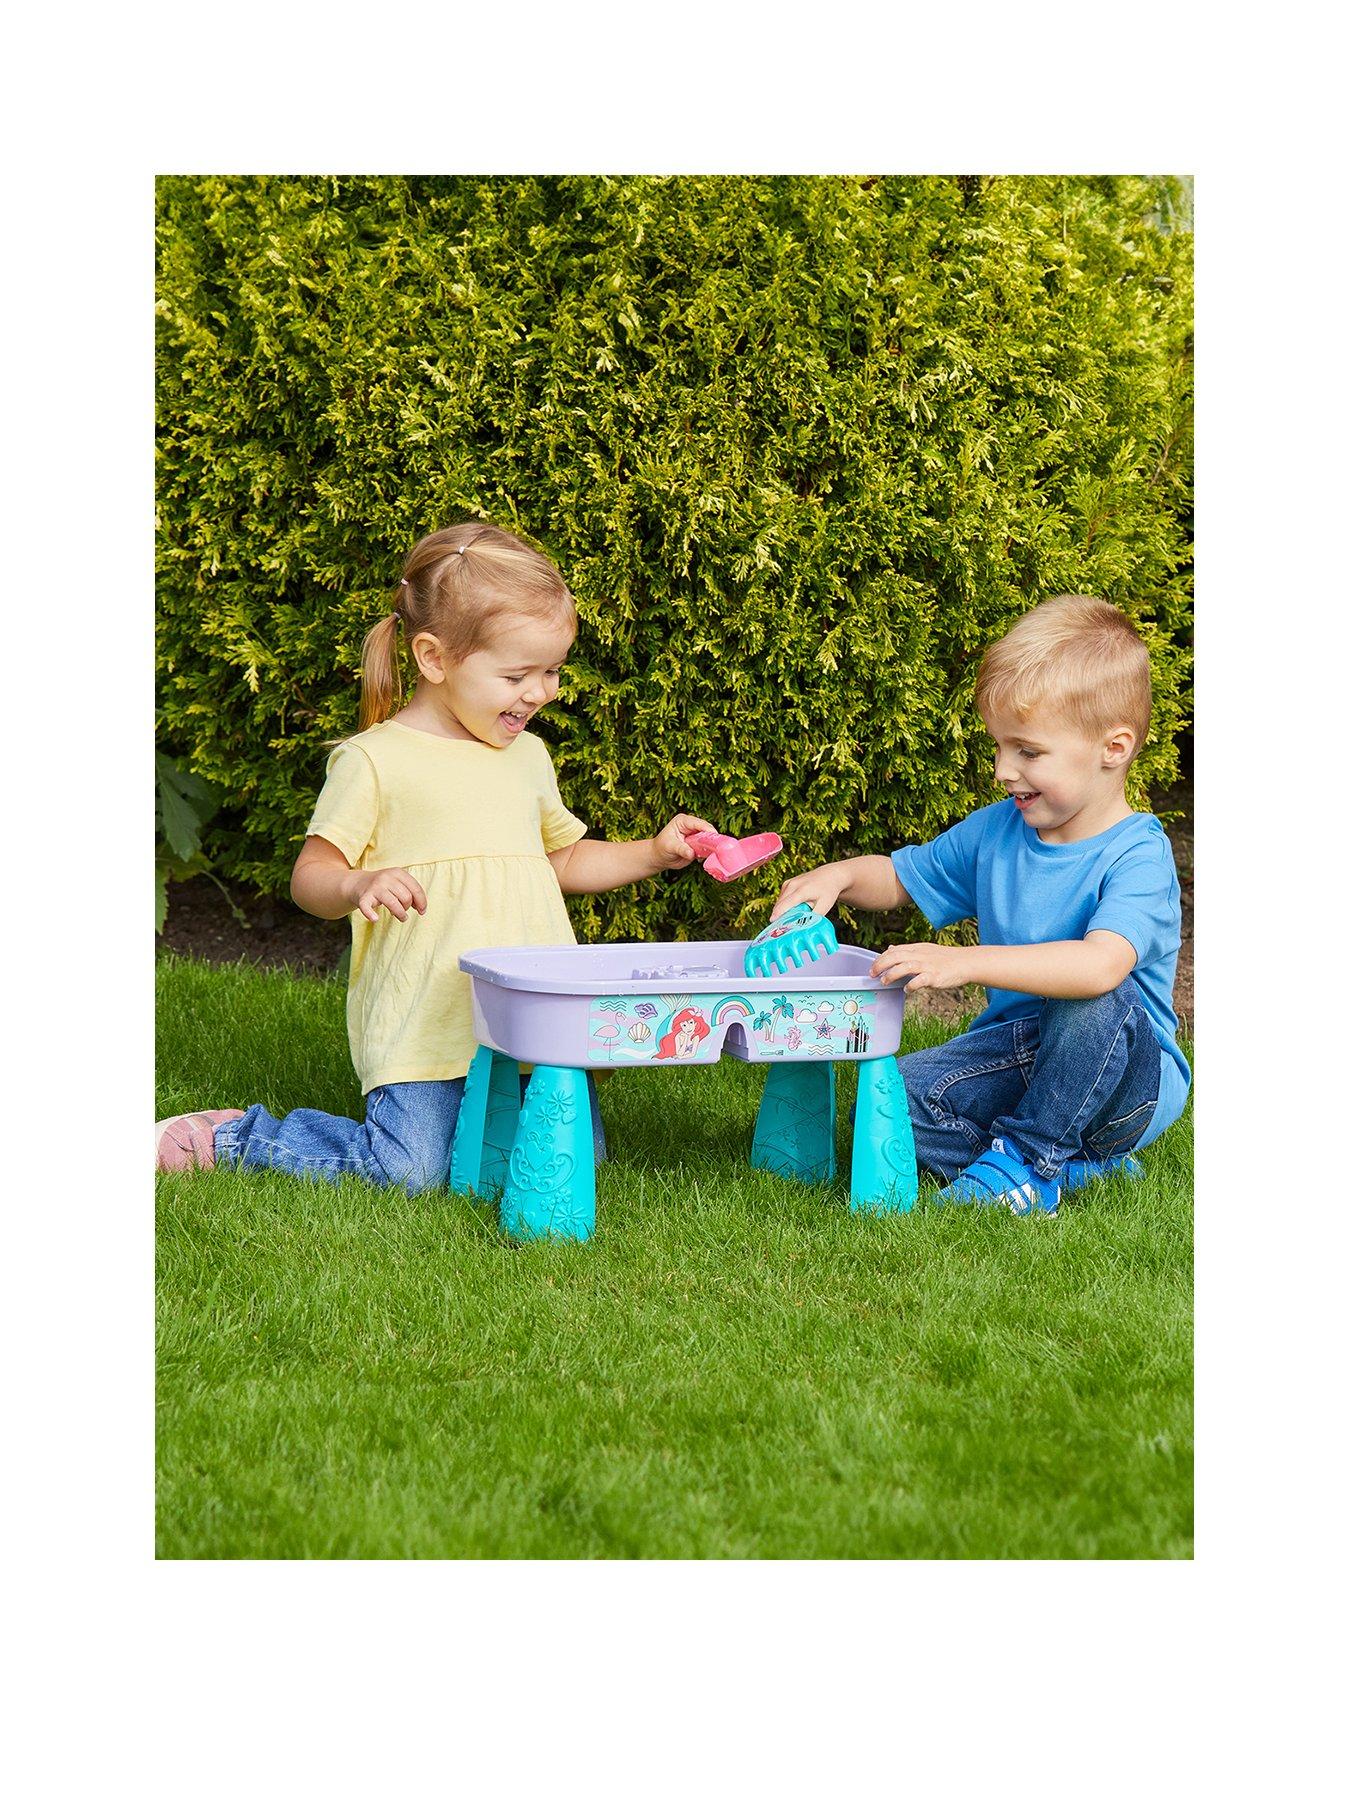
(820, 888)
(926, 965)
(669, 847)
(395, 889)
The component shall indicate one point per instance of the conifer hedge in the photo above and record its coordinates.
(801, 446)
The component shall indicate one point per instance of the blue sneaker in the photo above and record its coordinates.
(1081, 1170)
(1001, 1178)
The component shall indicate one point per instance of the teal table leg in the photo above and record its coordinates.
(885, 1175)
(794, 1130)
(487, 1124)
(550, 1183)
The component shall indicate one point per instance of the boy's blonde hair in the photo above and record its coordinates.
(1080, 658)
(459, 584)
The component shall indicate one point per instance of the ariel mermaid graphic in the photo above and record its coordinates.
(687, 1031)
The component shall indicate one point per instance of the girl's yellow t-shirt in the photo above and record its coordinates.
(474, 825)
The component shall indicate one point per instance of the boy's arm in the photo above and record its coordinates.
(1074, 969)
(1137, 917)
(593, 867)
(868, 882)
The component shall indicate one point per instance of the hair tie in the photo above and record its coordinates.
(460, 551)
(404, 582)
(397, 618)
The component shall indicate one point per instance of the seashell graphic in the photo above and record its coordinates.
(639, 1032)
(645, 1010)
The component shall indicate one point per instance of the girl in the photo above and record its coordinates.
(439, 829)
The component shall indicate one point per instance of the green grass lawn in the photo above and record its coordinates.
(735, 1367)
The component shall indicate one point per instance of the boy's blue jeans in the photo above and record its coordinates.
(403, 1142)
(1080, 1079)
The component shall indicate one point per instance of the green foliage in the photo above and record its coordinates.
(801, 446)
(183, 805)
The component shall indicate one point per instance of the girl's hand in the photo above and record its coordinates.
(669, 847)
(819, 888)
(395, 889)
(926, 965)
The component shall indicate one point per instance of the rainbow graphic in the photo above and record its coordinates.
(732, 1007)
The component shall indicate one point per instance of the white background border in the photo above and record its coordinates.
(785, 1678)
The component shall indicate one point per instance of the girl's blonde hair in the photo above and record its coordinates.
(1080, 658)
(458, 584)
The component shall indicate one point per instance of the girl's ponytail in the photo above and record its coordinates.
(381, 674)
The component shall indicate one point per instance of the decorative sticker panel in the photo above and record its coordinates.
(691, 1028)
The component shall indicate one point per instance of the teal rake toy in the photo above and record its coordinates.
(789, 941)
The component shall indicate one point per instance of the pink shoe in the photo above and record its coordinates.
(188, 1140)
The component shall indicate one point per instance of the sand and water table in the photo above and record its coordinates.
(578, 1007)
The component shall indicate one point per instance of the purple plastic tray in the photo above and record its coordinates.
(611, 1005)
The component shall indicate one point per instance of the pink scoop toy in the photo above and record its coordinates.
(725, 858)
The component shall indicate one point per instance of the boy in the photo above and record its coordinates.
(1074, 1062)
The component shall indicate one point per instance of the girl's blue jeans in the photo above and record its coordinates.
(403, 1142)
(1080, 1079)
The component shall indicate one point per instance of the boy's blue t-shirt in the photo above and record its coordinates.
(992, 867)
